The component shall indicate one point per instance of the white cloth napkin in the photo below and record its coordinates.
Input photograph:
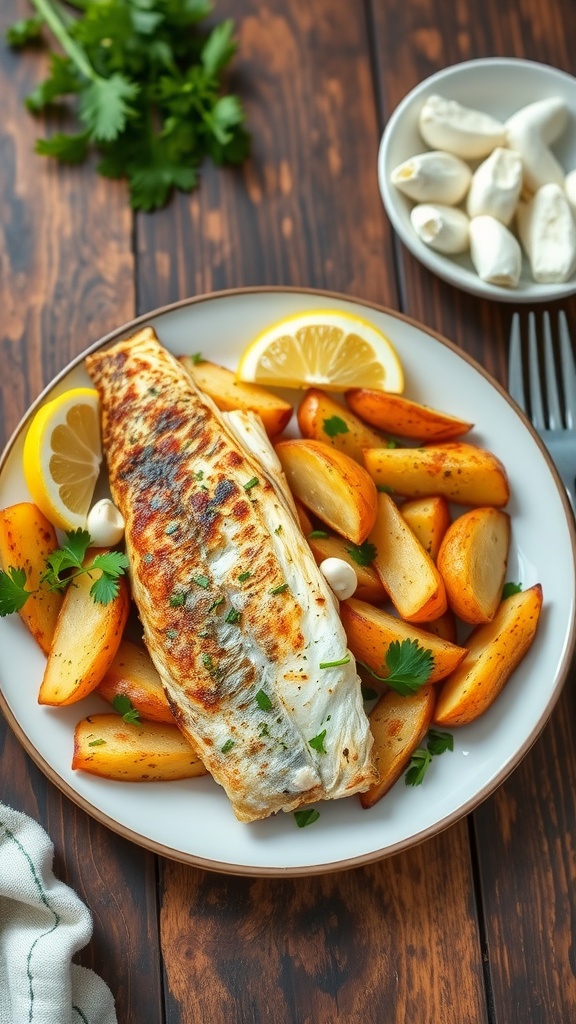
(43, 923)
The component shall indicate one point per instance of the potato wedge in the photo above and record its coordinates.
(26, 540)
(398, 725)
(400, 416)
(107, 746)
(428, 518)
(228, 393)
(472, 560)
(460, 472)
(86, 639)
(494, 650)
(322, 418)
(132, 674)
(406, 570)
(444, 626)
(369, 587)
(331, 486)
(370, 631)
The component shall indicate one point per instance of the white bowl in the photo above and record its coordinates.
(500, 87)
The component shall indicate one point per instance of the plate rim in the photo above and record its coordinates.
(373, 856)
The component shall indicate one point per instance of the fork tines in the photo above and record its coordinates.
(551, 363)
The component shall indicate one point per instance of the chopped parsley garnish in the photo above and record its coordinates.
(410, 666)
(263, 701)
(511, 588)
(67, 559)
(207, 661)
(363, 554)
(216, 604)
(233, 616)
(199, 475)
(201, 581)
(317, 742)
(384, 489)
(97, 743)
(279, 590)
(244, 576)
(278, 530)
(334, 664)
(253, 482)
(319, 534)
(438, 743)
(124, 706)
(306, 817)
(227, 746)
(195, 359)
(177, 599)
(335, 425)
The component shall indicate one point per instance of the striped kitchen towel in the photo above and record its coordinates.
(43, 923)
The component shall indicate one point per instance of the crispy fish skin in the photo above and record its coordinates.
(236, 616)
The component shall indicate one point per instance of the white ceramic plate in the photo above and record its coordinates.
(192, 820)
(500, 87)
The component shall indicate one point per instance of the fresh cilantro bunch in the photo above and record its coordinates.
(148, 90)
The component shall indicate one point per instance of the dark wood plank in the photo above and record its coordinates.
(374, 944)
(66, 278)
(305, 211)
(524, 833)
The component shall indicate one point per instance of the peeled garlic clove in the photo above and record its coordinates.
(495, 186)
(446, 124)
(495, 253)
(548, 117)
(547, 232)
(540, 166)
(105, 524)
(443, 228)
(339, 576)
(434, 177)
(570, 188)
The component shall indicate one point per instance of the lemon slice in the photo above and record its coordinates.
(323, 348)
(62, 456)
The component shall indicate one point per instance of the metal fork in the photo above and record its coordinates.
(552, 416)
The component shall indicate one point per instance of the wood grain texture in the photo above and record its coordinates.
(371, 945)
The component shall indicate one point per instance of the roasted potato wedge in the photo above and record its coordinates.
(398, 725)
(369, 587)
(132, 674)
(370, 631)
(26, 540)
(494, 650)
(331, 486)
(472, 560)
(86, 639)
(228, 393)
(444, 626)
(105, 745)
(406, 570)
(322, 418)
(460, 472)
(428, 518)
(400, 416)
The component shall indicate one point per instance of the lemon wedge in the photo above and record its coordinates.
(322, 348)
(62, 456)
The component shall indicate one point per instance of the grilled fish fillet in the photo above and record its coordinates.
(236, 615)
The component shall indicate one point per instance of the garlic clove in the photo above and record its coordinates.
(447, 125)
(540, 166)
(434, 177)
(495, 186)
(340, 577)
(495, 252)
(548, 117)
(548, 235)
(105, 524)
(443, 228)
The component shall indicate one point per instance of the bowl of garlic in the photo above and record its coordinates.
(477, 172)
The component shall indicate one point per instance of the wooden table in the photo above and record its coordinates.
(476, 924)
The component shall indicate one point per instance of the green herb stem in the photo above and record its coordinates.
(76, 54)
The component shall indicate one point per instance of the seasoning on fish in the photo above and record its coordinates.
(239, 621)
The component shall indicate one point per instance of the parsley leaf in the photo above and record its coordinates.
(124, 706)
(419, 764)
(263, 701)
(410, 666)
(439, 742)
(335, 425)
(317, 742)
(511, 588)
(148, 87)
(363, 554)
(306, 817)
(13, 594)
